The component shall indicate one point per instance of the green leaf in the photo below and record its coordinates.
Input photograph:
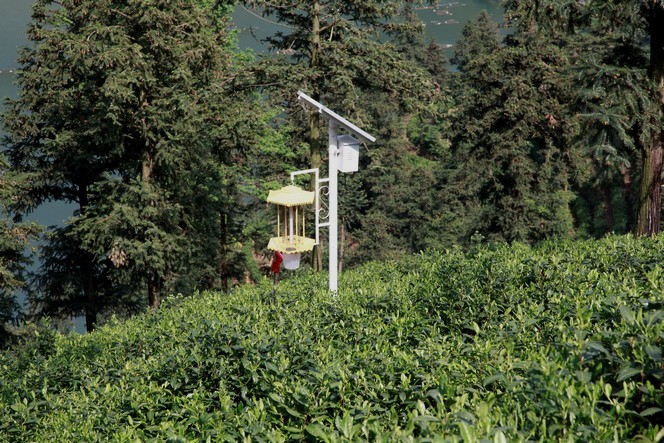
(499, 437)
(293, 430)
(467, 432)
(654, 317)
(493, 378)
(583, 376)
(345, 425)
(654, 353)
(650, 411)
(659, 436)
(293, 412)
(597, 347)
(316, 430)
(627, 373)
(627, 314)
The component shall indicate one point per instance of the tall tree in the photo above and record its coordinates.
(479, 38)
(333, 50)
(631, 36)
(393, 205)
(172, 199)
(113, 99)
(613, 107)
(510, 168)
(55, 130)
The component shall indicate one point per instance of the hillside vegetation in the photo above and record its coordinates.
(559, 342)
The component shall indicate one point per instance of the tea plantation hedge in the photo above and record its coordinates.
(559, 342)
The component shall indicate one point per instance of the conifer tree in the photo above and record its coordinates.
(397, 206)
(344, 54)
(479, 38)
(332, 50)
(510, 168)
(113, 115)
(627, 35)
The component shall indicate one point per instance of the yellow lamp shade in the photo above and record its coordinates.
(291, 196)
(300, 244)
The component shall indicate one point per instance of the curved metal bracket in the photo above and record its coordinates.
(323, 207)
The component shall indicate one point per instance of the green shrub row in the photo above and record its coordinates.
(559, 342)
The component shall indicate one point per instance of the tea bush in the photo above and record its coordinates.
(559, 342)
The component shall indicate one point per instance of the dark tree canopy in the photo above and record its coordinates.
(114, 102)
(365, 59)
(628, 38)
(510, 172)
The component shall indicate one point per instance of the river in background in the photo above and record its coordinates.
(443, 24)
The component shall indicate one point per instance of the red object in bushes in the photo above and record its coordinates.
(276, 262)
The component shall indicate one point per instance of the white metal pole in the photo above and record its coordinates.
(333, 164)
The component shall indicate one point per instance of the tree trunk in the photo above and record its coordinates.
(314, 121)
(316, 258)
(90, 304)
(650, 190)
(146, 168)
(87, 269)
(154, 299)
(607, 196)
(223, 260)
(315, 162)
(315, 158)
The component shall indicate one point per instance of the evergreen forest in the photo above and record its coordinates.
(165, 139)
(500, 243)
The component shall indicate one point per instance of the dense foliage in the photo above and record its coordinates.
(166, 138)
(613, 43)
(512, 164)
(357, 58)
(558, 342)
(118, 113)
